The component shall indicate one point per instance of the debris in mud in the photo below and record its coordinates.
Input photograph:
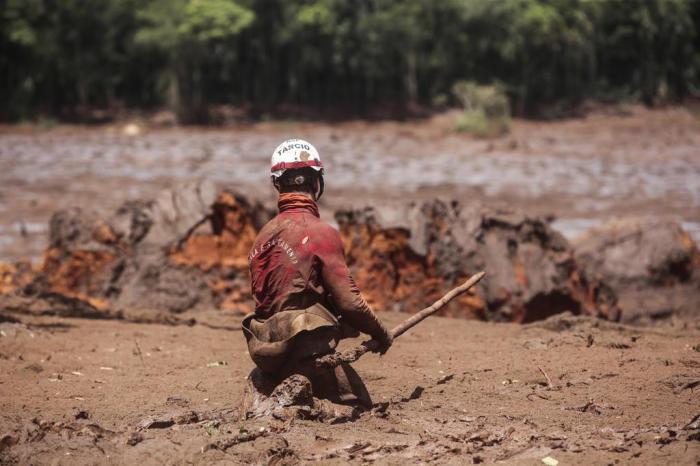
(217, 364)
(445, 379)
(51, 303)
(290, 399)
(693, 424)
(415, 394)
(169, 420)
(640, 251)
(564, 322)
(680, 382)
(294, 390)
(691, 385)
(156, 423)
(148, 255)
(180, 401)
(134, 439)
(591, 407)
(188, 247)
(226, 443)
(188, 417)
(546, 376)
(407, 256)
(652, 264)
(8, 441)
(16, 276)
(36, 368)
(363, 450)
(39, 429)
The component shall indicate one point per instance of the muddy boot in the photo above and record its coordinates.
(295, 390)
(263, 397)
(256, 400)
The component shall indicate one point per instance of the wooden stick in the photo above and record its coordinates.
(549, 381)
(335, 359)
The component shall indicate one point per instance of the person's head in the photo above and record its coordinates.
(297, 167)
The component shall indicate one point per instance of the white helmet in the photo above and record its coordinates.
(294, 153)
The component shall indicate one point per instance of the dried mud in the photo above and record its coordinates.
(159, 255)
(580, 390)
(406, 256)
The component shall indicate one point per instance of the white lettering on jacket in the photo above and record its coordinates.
(277, 242)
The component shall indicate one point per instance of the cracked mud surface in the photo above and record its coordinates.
(583, 391)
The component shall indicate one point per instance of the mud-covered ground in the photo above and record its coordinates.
(582, 171)
(573, 389)
(576, 389)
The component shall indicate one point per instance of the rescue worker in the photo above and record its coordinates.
(305, 298)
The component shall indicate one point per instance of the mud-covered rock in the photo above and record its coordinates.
(405, 257)
(83, 250)
(188, 248)
(653, 265)
(16, 276)
(640, 251)
(184, 249)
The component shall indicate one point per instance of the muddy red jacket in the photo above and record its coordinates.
(297, 261)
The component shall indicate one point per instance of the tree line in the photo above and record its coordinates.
(65, 58)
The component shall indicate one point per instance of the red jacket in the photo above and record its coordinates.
(297, 261)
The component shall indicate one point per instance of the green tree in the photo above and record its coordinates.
(647, 48)
(69, 57)
(183, 31)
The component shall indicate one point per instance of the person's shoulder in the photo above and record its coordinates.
(324, 237)
(269, 227)
(325, 228)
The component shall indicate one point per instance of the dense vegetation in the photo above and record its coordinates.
(67, 58)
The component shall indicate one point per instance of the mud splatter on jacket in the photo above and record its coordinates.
(297, 261)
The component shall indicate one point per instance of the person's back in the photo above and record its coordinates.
(303, 290)
(298, 261)
(284, 260)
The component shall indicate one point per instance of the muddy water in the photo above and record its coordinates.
(582, 172)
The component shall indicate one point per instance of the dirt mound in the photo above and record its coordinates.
(653, 265)
(183, 249)
(640, 251)
(188, 249)
(15, 276)
(405, 257)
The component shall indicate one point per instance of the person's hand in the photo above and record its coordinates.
(385, 340)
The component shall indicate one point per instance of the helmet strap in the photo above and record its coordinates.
(319, 187)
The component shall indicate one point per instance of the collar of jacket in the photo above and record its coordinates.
(294, 202)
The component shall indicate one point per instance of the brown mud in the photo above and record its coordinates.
(120, 342)
(187, 250)
(406, 256)
(577, 389)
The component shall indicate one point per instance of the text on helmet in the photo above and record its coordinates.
(292, 147)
